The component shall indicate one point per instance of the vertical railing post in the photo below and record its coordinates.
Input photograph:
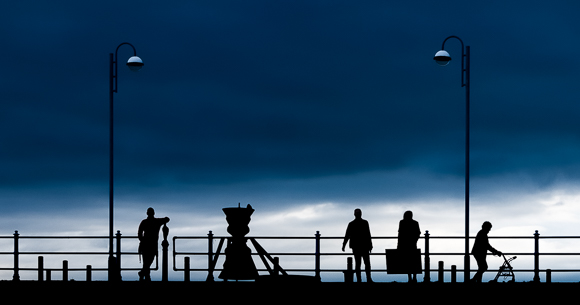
(65, 271)
(186, 267)
(210, 257)
(317, 256)
(276, 266)
(164, 259)
(349, 273)
(118, 235)
(440, 272)
(537, 257)
(40, 268)
(89, 273)
(427, 277)
(16, 276)
(453, 273)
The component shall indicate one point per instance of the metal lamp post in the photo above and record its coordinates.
(443, 58)
(135, 64)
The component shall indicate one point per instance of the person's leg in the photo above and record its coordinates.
(367, 261)
(481, 268)
(145, 274)
(357, 265)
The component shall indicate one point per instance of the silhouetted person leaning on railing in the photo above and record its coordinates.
(407, 244)
(479, 251)
(148, 241)
(359, 234)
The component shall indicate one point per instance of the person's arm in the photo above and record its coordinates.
(492, 249)
(418, 231)
(161, 221)
(346, 237)
(140, 231)
(370, 237)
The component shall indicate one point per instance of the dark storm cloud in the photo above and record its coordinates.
(242, 91)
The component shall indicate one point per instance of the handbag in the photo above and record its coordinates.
(403, 261)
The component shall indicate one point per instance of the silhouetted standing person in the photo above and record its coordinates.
(407, 242)
(148, 241)
(479, 251)
(359, 234)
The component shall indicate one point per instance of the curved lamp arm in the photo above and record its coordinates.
(135, 63)
(442, 57)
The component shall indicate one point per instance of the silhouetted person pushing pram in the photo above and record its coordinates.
(148, 241)
(359, 234)
(407, 242)
(479, 251)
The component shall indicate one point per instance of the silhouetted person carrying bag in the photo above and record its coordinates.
(359, 234)
(409, 233)
(479, 251)
(148, 241)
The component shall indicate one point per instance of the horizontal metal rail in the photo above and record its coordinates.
(17, 254)
(183, 252)
(317, 254)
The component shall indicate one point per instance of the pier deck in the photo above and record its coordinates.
(275, 293)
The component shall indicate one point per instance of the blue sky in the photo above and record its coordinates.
(304, 109)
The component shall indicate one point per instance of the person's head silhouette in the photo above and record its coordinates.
(357, 213)
(408, 215)
(150, 212)
(486, 226)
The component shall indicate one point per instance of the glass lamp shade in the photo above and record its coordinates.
(135, 63)
(442, 58)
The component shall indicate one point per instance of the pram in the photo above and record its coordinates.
(505, 270)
